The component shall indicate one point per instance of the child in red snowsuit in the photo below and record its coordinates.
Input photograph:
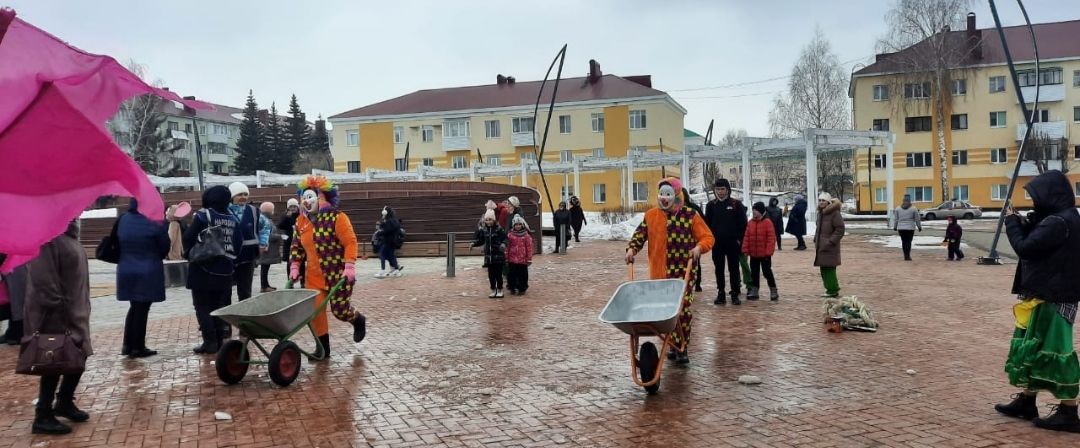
(759, 244)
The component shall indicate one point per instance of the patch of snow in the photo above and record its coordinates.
(98, 213)
(919, 242)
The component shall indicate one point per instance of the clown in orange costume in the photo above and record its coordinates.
(675, 234)
(324, 241)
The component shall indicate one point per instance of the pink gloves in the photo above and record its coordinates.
(350, 272)
(294, 271)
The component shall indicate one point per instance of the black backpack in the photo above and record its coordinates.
(210, 244)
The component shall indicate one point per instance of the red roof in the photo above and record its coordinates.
(607, 87)
(1056, 40)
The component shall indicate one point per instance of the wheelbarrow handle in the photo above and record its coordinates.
(630, 270)
(688, 276)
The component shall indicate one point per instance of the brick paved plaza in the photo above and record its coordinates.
(445, 365)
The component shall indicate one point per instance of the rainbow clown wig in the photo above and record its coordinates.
(319, 184)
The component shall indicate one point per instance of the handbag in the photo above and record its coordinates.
(108, 250)
(50, 354)
(210, 244)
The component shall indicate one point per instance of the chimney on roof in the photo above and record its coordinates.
(187, 109)
(500, 79)
(594, 71)
(974, 37)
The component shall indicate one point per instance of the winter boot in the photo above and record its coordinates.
(45, 422)
(773, 295)
(498, 293)
(1023, 406)
(211, 343)
(323, 351)
(672, 354)
(735, 298)
(492, 295)
(720, 299)
(359, 329)
(65, 407)
(14, 333)
(1063, 418)
(683, 357)
(752, 293)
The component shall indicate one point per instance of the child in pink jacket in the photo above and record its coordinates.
(519, 252)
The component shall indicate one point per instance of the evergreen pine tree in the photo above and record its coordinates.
(297, 133)
(320, 139)
(250, 149)
(274, 137)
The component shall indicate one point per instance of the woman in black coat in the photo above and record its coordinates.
(577, 217)
(210, 281)
(140, 275)
(796, 222)
(561, 220)
(776, 215)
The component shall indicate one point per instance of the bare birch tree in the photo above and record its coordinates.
(817, 93)
(927, 53)
(138, 129)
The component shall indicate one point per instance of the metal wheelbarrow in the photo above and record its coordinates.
(276, 315)
(649, 308)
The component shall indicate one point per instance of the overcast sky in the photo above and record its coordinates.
(336, 55)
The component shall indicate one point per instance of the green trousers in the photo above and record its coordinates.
(832, 284)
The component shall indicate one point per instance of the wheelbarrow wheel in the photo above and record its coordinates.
(284, 363)
(232, 362)
(648, 358)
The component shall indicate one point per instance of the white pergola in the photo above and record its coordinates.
(809, 145)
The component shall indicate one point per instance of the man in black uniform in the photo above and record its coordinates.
(726, 218)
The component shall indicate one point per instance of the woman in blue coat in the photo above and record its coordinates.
(140, 274)
(796, 224)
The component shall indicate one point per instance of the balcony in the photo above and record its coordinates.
(217, 138)
(1047, 94)
(1029, 169)
(455, 143)
(1050, 129)
(218, 157)
(522, 139)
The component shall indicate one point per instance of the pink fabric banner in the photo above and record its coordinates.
(56, 155)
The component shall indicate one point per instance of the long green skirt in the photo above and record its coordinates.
(1042, 357)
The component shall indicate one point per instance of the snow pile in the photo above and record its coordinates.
(919, 242)
(99, 213)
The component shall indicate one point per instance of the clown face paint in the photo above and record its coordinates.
(666, 198)
(310, 201)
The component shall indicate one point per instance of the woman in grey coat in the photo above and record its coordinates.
(907, 220)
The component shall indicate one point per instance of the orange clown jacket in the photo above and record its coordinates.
(656, 230)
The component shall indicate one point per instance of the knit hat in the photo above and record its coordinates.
(491, 205)
(236, 188)
(824, 197)
(722, 183)
(490, 214)
(267, 207)
(292, 202)
(518, 219)
(514, 201)
(760, 207)
(675, 183)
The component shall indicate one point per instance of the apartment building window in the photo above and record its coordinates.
(881, 92)
(427, 133)
(1040, 116)
(756, 183)
(1076, 78)
(400, 165)
(217, 148)
(881, 124)
(637, 119)
(920, 194)
(998, 192)
(960, 193)
(202, 129)
(399, 136)
(998, 155)
(187, 128)
(918, 159)
(456, 128)
(917, 90)
(494, 160)
(458, 162)
(1027, 78)
(880, 195)
(917, 124)
(352, 138)
(564, 124)
(997, 84)
(522, 125)
(880, 161)
(960, 157)
(637, 150)
(599, 193)
(566, 155)
(181, 163)
(566, 191)
(219, 129)
(527, 156)
(427, 161)
(959, 121)
(1076, 152)
(492, 129)
(598, 122)
(598, 153)
(997, 119)
(641, 191)
(174, 126)
(1076, 114)
(959, 87)
(1076, 188)
(353, 166)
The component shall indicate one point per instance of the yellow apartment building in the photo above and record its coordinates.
(597, 116)
(984, 125)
